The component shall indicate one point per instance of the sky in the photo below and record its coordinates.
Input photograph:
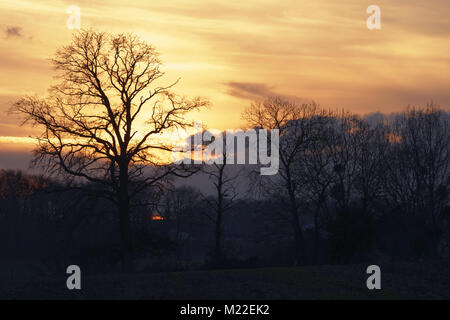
(234, 52)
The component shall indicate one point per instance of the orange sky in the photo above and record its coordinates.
(236, 51)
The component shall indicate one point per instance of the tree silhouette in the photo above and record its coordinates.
(418, 167)
(103, 121)
(225, 184)
(298, 126)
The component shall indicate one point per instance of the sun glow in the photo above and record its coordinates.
(233, 53)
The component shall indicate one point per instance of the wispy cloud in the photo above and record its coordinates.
(249, 90)
(13, 32)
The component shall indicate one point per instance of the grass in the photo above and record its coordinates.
(425, 280)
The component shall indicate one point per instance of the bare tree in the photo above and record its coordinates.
(298, 125)
(224, 180)
(371, 148)
(103, 121)
(342, 146)
(418, 167)
(319, 175)
(343, 164)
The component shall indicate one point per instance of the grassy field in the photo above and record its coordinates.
(399, 281)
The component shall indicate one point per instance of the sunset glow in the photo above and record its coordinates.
(234, 52)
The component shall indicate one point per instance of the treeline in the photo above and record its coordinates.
(349, 189)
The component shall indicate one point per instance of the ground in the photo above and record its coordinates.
(425, 280)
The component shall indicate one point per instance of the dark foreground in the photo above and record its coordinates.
(424, 280)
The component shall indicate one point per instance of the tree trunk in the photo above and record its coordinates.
(218, 247)
(316, 235)
(124, 218)
(298, 236)
(320, 202)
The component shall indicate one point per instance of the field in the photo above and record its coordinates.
(399, 281)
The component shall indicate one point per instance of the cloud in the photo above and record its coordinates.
(320, 49)
(249, 90)
(258, 91)
(13, 32)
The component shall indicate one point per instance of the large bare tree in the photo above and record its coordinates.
(103, 122)
(298, 125)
